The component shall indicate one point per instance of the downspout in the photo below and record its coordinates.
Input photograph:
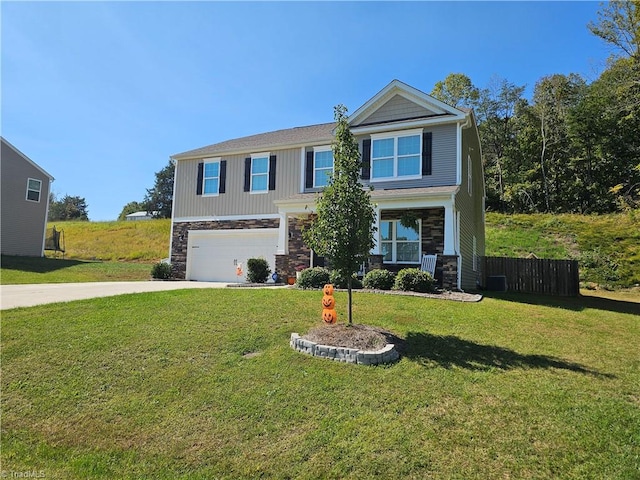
(173, 205)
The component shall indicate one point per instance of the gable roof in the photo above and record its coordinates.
(290, 137)
(396, 87)
(323, 133)
(27, 159)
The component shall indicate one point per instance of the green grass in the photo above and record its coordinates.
(614, 239)
(23, 270)
(141, 241)
(159, 386)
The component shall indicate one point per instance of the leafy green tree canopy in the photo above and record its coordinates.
(456, 90)
(159, 199)
(67, 208)
(619, 25)
(130, 207)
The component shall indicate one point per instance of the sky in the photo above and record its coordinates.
(101, 94)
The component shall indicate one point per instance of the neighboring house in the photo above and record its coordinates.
(25, 203)
(252, 196)
(137, 216)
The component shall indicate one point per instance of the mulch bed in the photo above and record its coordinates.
(362, 337)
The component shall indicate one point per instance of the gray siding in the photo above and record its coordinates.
(235, 201)
(23, 221)
(471, 209)
(396, 108)
(443, 172)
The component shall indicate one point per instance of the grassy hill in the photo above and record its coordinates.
(142, 241)
(608, 246)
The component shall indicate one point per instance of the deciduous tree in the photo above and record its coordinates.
(343, 229)
(130, 207)
(67, 208)
(456, 90)
(159, 199)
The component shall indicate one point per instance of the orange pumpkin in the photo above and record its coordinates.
(329, 315)
(328, 289)
(328, 301)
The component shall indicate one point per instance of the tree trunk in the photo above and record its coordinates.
(349, 301)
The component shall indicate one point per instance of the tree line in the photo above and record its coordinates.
(574, 146)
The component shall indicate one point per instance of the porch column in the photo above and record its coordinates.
(376, 223)
(283, 235)
(449, 230)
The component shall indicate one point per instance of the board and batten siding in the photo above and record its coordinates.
(396, 108)
(235, 201)
(471, 208)
(23, 221)
(443, 158)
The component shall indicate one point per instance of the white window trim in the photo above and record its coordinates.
(26, 195)
(394, 243)
(253, 157)
(204, 178)
(323, 148)
(395, 135)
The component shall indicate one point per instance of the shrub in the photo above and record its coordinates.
(340, 282)
(413, 280)
(379, 280)
(258, 270)
(315, 277)
(161, 271)
(599, 267)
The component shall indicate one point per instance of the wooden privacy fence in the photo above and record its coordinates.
(533, 275)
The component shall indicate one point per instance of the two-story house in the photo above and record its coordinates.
(252, 196)
(25, 203)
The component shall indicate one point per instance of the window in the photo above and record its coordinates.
(34, 187)
(211, 178)
(322, 166)
(396, 157)
(259, 172)
(398, 243)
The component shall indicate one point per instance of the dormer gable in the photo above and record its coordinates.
(399, 103)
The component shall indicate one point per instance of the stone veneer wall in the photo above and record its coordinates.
(449, 265)
(180, 237)
(299, 253)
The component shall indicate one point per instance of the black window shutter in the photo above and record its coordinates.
(272, 172)
(199, 180)
(223, 176)
(426, 153)
(366, 159)
(308, 179)
(247, 174)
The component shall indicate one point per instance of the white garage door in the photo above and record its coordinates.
(213, 255)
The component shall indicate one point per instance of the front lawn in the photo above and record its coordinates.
(202, 384)
(23, 270)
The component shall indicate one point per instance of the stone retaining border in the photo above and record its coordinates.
(388, 354)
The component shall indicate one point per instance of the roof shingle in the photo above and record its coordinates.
(280, 138)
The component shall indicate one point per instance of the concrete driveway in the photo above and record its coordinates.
(13, 296)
